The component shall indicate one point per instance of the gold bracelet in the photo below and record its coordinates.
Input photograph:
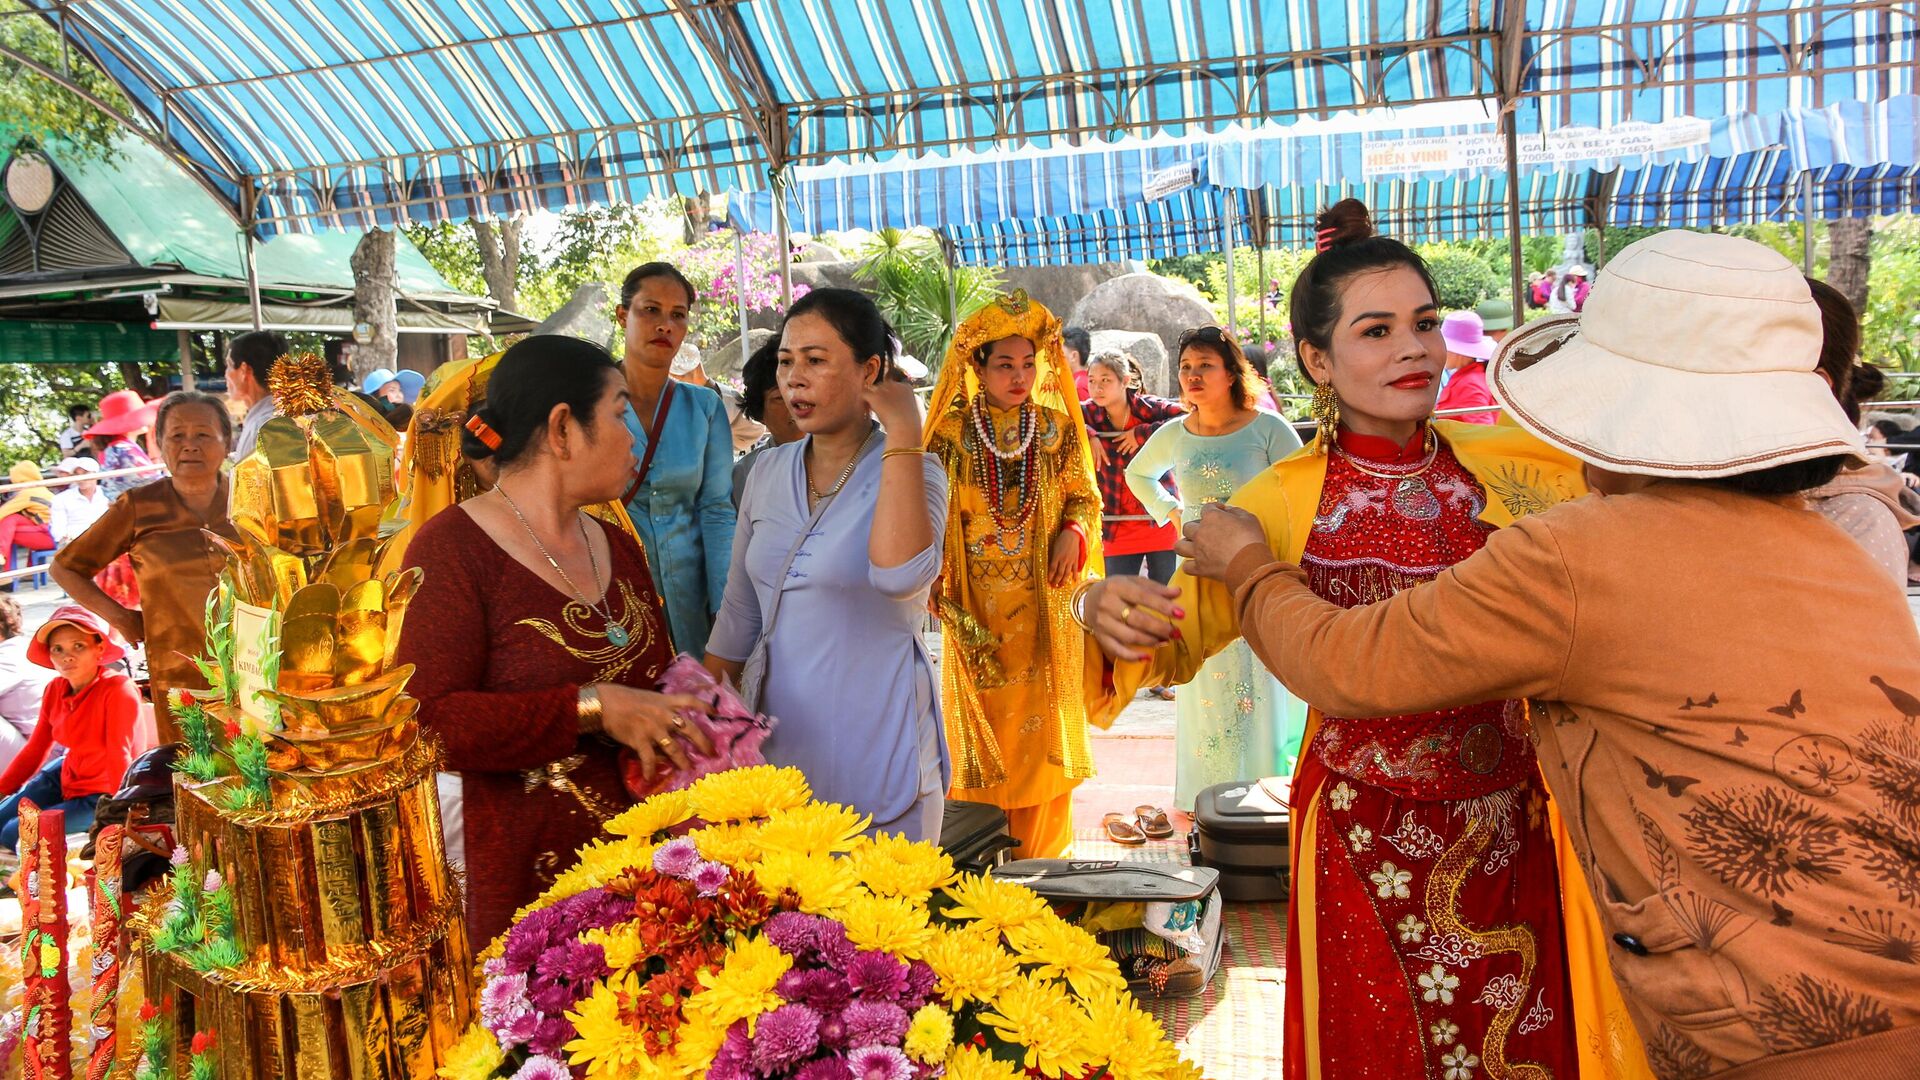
(1078, 601)
(591, 713)
(914, 450)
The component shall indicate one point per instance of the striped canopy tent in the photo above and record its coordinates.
(304, 114)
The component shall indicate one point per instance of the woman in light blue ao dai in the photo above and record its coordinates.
(1235, 720)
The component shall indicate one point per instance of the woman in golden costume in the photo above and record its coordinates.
(1023, 528)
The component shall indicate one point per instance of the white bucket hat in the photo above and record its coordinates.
(1694, 357)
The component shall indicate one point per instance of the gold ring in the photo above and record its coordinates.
(663, 742)
(679, 722)
(1126, 612)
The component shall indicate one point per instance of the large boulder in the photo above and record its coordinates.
(1156, 371)
(725, 363)
(813, 251)
(1146, 303)
(584, 315)
(1059, 288)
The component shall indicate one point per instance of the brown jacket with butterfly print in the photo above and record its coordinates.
(1725, 698)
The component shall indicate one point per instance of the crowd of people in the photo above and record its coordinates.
(1532, 622)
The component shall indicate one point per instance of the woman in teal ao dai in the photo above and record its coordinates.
(1235, 720)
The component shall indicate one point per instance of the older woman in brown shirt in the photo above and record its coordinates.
(160, 524)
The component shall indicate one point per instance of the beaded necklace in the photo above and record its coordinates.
(997, 479)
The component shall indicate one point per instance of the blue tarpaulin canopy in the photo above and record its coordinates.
(309, 113)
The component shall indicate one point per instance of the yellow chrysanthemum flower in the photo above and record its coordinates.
(970, 963)
(968, 1063)
(745, 794)
(888, 924)
(606, 1044)
(1041, 1016)
(622, 945)
(655, 815)
(1062, 950)
(474, 1057)
(930, 1035)
(824, 885)
(815, 829)
(737, 845)
(995, 903)
(894, 866)
(1135, 1045)
(742, 988)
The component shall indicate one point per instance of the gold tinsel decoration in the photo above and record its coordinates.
(301, 385)
(349, 964)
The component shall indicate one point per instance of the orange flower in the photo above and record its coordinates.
(202, 1041)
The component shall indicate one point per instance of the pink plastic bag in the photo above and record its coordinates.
(736, 732)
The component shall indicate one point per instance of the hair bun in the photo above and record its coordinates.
(1345, 222)
(480, 436)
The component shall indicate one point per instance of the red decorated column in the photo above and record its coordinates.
(48, 1045)
(109, 920)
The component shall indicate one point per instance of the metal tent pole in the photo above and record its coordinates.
(253, 269)
(1511, 39)
(1226, 231)
(783, 236)
(1806, 223)
(740, 284)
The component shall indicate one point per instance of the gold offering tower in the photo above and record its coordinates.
(313, 927)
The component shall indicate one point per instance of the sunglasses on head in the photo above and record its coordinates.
(1210, 334)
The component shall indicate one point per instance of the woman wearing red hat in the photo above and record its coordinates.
(87, 712)
(122, 416)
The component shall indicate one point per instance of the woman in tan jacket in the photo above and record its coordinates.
(1723, 691)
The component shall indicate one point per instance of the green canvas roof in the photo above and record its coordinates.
(163, 218)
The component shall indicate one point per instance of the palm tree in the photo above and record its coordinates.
(908, 276)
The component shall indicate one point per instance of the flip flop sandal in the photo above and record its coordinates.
(1164, 693)
(1121, 830)
(1153, 822)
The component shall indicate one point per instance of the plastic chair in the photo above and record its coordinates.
(29, 558)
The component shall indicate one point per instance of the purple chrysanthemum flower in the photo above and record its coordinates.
(879, 1063)
(793, 932)
(551, 998)
(525, 943)
(519, 1028)
(832, 1068)
(676, 858)
(784, 1037)
(875, 1023)
(834, 948)
(551, 1035)
(502, 999)
(877, 975)
(573, 961)
(543, 1067)
(709, 877)
(833, 1032)
(920, 983)
(734, 1059)
(495, 968)
(823, 991)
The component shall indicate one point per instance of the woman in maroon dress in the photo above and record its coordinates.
(537, 632)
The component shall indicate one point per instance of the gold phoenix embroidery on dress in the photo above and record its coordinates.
(579, 620)
(1442, 902)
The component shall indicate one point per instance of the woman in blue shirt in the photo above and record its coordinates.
(681, 497)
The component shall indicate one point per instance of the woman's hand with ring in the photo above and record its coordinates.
(651, 726)
(1131, 616)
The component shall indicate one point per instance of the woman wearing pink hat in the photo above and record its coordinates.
(122, 416)
(1464, 385)
(89, 713)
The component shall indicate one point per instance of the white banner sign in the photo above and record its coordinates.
(1488, 150)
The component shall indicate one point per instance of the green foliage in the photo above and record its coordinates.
(906, 274)
(156, 1049)
(1890, 325)
(220, 948)
(1462, 278)
(37, 109)
(196, 729)
(249, 754)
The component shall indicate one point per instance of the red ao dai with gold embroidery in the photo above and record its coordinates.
(1425, 877)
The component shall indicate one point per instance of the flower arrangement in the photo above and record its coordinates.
(737, 930)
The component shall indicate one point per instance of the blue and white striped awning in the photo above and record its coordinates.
(346, 113)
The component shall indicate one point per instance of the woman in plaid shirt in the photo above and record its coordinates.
(1120, 418)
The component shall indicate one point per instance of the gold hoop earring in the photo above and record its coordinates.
(1325, 410)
